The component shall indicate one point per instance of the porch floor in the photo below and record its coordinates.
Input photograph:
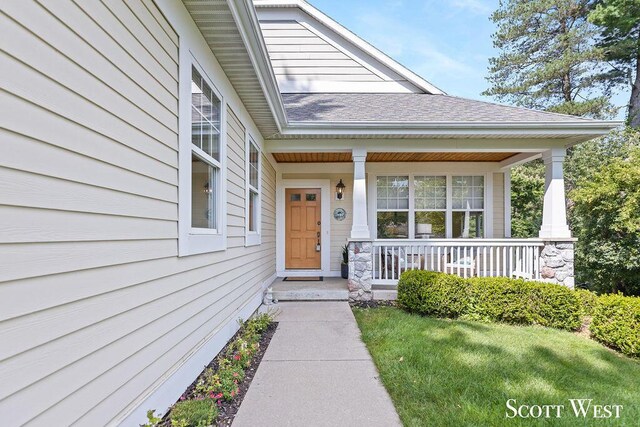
(330, 289)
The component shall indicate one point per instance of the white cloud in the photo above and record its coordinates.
(410, 46)
(475, 6)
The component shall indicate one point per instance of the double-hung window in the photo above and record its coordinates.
(430, 206)
(393, 207)
(202, 224)
(253, 193)
(205, 155)
(468, 206)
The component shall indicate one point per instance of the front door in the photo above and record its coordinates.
(302, 229)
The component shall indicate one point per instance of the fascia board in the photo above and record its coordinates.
(247, 21)
(595, 127)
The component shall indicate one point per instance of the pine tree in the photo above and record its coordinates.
(619, 21)
(547, 58)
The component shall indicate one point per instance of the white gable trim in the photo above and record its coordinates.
(355, 40)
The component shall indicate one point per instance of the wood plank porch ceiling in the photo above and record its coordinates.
(391, 157)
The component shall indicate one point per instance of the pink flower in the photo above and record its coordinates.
(235, 374)
(236, 357)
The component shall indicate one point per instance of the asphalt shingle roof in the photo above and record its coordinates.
(406, 107)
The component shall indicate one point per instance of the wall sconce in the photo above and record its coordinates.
(340, 190)
(207, 188)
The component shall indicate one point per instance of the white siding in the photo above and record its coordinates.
(307, 57)
(96, 309)
(498, 205)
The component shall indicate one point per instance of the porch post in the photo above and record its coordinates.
(359, 227)
(556, 258)
(554, 212)
(360, 246)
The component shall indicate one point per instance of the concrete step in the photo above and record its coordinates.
(330, 289)
(311, 295)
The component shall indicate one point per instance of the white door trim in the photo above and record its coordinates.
(325, 228)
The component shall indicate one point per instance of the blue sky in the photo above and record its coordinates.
(447, 42)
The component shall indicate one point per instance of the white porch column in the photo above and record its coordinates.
(554, 213)
(360, 227)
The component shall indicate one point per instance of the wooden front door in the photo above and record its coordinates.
(302, 229)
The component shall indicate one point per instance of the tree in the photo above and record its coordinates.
(527, 196)
(619, 21)
(547, 59)
(607, 214)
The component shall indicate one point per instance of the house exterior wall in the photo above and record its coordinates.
(99, 317)
(307, 56)
(498, 205)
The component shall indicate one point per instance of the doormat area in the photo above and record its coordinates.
(304, 279)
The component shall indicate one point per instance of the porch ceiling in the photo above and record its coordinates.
(344, 157)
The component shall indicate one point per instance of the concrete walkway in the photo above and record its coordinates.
(316, 372)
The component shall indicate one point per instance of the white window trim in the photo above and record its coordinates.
(252, 238)
(192, 241)
(449, 211)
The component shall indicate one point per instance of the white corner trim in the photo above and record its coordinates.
(169, 391)
(507, 203)
(325, 217)
(488, 205)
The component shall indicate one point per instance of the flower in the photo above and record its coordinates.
(235, 374)
(236, 357)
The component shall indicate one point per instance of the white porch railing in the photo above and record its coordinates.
(464, 257)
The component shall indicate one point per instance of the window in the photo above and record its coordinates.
(253, 193)
(423, 206)
(201, 167)
(430, 206)
(205, 146)
(468, 206)
(393, 207)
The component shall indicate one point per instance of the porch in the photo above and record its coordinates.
(397, 211)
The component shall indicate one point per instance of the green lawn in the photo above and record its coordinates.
(457, 373)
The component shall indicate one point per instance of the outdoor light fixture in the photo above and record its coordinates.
(340, 190)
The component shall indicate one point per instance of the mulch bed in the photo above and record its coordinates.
(372, 304)
(228, 410)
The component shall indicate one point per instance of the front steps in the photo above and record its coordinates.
(330, 289)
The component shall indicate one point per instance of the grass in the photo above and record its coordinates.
(459, 373)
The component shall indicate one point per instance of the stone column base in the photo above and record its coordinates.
(556, 263)
(360, 271)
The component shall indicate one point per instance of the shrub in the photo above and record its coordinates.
(497, 299)
(616, 323)
(588, 301)
(194, 413)
(428, 292)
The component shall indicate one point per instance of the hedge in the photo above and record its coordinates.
(616, 323)
(496, 299)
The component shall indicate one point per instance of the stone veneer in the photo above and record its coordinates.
(360, 271)
(556, 263)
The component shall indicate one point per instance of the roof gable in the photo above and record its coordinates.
(310, 52)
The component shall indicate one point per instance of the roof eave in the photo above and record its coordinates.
(578, 128)
(246, 19)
